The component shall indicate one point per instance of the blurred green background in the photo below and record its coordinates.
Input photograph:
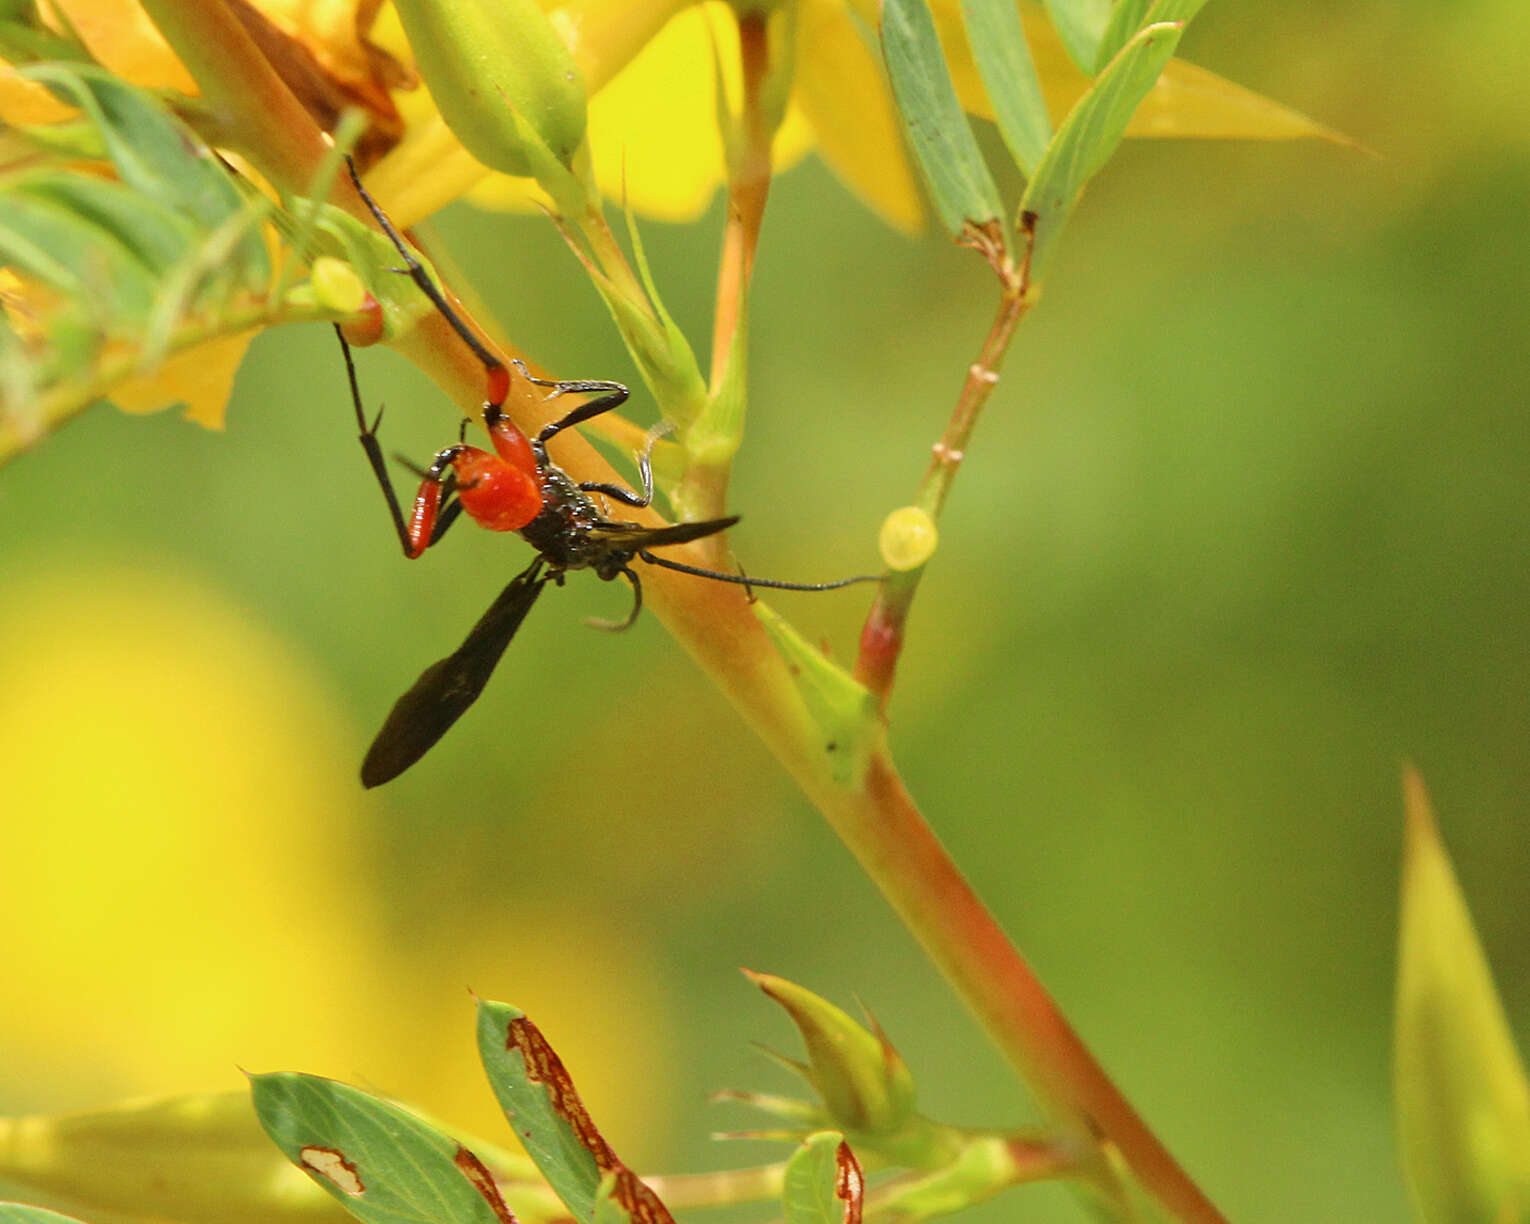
(1245, 527)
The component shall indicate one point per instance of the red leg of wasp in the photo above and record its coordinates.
(427, 520)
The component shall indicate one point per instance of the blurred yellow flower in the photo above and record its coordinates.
(653, 71)
(654, 135)
(181, 861)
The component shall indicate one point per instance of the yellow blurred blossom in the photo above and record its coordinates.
(656, 144)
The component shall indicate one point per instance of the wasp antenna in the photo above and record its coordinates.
(744, 580)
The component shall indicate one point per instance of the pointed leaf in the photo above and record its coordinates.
(48, 240)
(844, 712)
(1463, 1105)
(1080, 24)
(382, 1163)
(1003, 58)
(960, 185)
(543, 1107)
(151, 233)
(1090, 134)
(1126, 19)
(154, 153)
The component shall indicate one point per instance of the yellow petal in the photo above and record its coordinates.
(202, 378)
(841, 92)
(1187, 101)
(652, 129)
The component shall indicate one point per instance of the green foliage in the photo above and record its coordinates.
(1003, 57)
(1090, 134)
(534, 1090)
(960, 185)
(170, 248)
(382, 1163)
(1081, 25)
(811, 1191)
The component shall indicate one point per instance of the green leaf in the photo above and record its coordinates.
(1130, 16)
(1003, 58)
(823, 1183)
(1126, 19)
(1463, 1105)
(1080, 24)
(76, 257)
(382, 1163)
(960, 185)
(154, 153)
(539, 1099)
(1090, 135)
(151, 233)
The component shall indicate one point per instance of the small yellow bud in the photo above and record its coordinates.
(908, 538)
(336, 285)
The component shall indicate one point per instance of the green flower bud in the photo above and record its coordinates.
(503, 80)
(865, 1084)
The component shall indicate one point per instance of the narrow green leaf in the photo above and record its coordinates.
(1463, 1104)
(153, 152)
(151, 233)
(380, 1162)
(1130, 16)
(844, 713)
(1080, 24)
(1126, 19)
(539, 1099)
(1090, 135)
(823, 1182)
(1003, 58)
(76, 257)
(960, 185)
(676, 383)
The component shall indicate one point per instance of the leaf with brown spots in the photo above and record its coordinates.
(538, 1096)
(823, 1182)
(382, 1163)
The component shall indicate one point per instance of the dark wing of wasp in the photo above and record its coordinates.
(448, 687)
(635, 537)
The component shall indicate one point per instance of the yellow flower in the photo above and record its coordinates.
(652, 114)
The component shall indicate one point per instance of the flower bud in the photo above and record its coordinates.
(503, 80)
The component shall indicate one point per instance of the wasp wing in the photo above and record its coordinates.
(448, 687)
(636, 537)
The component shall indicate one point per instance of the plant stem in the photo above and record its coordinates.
(704, 490)
(717, 625)
(251, 107)
(748, 191)
(882, 636)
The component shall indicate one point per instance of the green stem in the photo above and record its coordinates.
(250, 106)
(883, 634)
